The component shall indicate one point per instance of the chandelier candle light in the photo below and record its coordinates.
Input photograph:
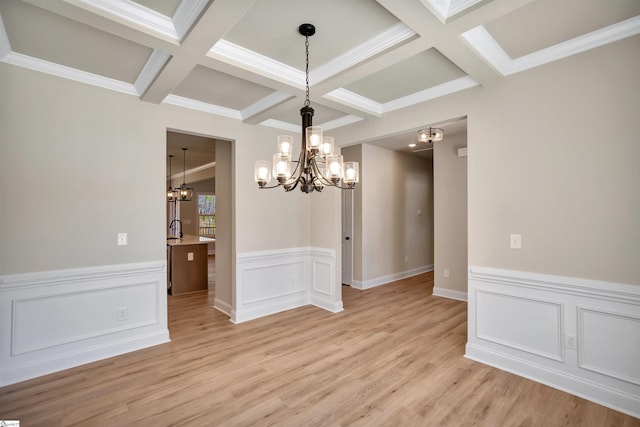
(317, 166)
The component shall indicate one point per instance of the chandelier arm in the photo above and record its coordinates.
(323, 179)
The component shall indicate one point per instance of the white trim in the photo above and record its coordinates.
(134, 15)
(186, 14)
(75, 275)
(595, 358)
(434, 92)
(563, 284)
(155, 63)
(5, 46)
(354, 100)
(448, 8)
(486, 46)
(389, 38)
(68, 73)
(617, 400)
(340, 121)
(268, 282)
(244, 58)
(265, 103)
(222, 306)
(282, 125)
(383, 280)
(54, 320)
(181, 101)
(362, 103)
(450, 293)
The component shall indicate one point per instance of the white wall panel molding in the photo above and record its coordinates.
(581, 336)
(55, 320)
(594, 343)
(268, 282)
(383, 280)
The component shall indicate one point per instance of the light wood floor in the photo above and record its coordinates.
(394, 357)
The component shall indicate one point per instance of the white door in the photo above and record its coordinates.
(347, 237)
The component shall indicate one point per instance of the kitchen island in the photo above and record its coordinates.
(187, 264)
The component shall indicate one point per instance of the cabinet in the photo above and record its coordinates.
(187, 268)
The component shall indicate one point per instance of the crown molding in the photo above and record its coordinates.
(340, 121)
(445, 9)
(265, 103)
(443, 89)
(352, 99)
(68, 73)
(389, 38)
(486, 46)
(156, 62)
(181, 101)
(186, 15)
(192, 171)
(279, 124)
(246, 59)
(133, 15)
(364, 104)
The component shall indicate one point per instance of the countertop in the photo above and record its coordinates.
(189, 239)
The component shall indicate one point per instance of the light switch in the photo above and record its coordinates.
(189, 256)
(515, 241)
(122, 239)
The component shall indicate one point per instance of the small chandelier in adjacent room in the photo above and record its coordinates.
(317, 166)
(185, 194)
(430, 135)
(172, 193)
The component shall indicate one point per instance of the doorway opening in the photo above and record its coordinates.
(204, 221)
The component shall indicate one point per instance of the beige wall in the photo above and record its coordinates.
(553, 156)
(450, 213)
(89, 163)
(390, 236)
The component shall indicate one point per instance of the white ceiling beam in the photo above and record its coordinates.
(214, 22)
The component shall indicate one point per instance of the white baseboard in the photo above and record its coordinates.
(222, 306)
(580, 336)
(450, 293)
(269, 282)
(55, 320)
(383, 280)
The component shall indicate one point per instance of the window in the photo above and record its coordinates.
(207, 214)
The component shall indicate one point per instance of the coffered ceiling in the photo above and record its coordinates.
(244, 59)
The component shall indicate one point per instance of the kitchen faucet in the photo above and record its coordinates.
(172, 226)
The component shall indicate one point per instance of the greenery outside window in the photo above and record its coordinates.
(207, 214)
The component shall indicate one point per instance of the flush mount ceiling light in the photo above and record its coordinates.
(317, 166)
(185, 193)
(430, 135)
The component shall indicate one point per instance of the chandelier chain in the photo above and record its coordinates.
(306, 46)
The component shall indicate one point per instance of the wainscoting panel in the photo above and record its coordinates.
(577, 335)
(525, 324)
(272, 281)
(615, 355)
(60, 319)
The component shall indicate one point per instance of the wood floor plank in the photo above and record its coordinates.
(393, 357)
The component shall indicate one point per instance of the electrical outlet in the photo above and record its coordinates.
(189, 256)
(122, 313)
(122, 239)
(445, 273)
(406, 258)
(515, 241)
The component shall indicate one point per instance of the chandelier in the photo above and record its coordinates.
(430, 135)
(317, 165)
